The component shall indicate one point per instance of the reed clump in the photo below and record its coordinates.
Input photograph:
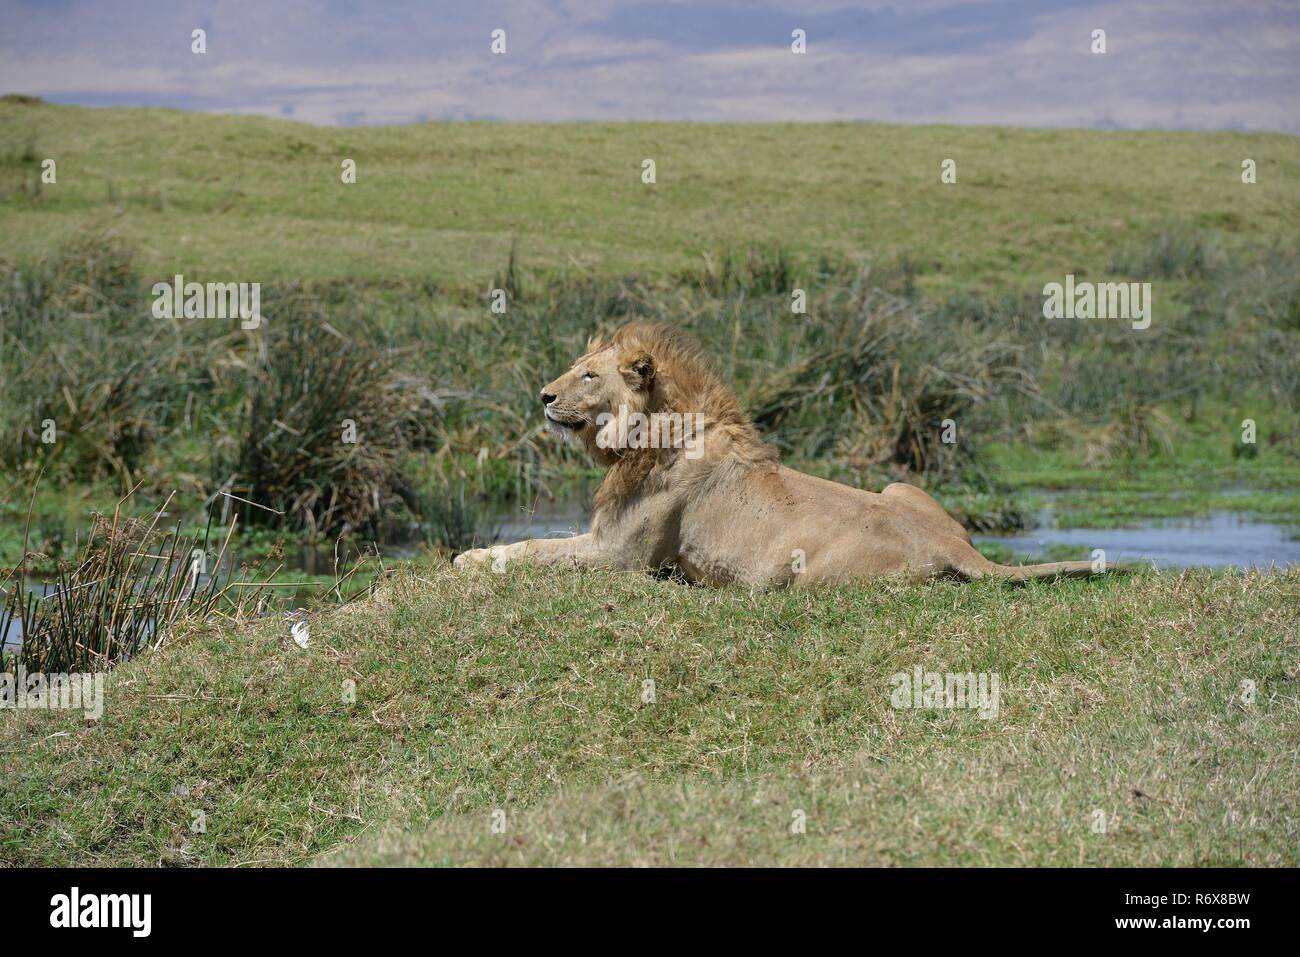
(326, 423)
(131, 586)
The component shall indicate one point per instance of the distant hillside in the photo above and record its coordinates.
(260, 198)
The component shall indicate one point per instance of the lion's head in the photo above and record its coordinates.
(646, 368)
(610, 378)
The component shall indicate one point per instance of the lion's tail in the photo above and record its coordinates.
(975, 566)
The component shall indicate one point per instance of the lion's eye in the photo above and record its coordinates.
(588, 375)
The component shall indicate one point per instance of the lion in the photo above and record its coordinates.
(714, 504)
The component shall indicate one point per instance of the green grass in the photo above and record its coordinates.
(522, 692)
(1200, 476)
(252, 198)
(557, 213)
(865, 411)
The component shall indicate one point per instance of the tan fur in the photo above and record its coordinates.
(734, 514)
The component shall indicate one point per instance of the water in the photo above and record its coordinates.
(1221, 540)
(543, 520)
(13, 636)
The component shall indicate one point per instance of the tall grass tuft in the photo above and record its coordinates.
(92, 381)
(327, 422)
(1174, 254)
(1137, 430)
(884, 389)
(131, 586)
(759, 271)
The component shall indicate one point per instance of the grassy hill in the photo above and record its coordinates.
(525, 693)
(256, 199)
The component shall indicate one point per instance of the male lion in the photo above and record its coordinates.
(724, 510)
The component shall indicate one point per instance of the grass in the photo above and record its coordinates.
(523, 692)
(131, 585)
(1199, 477)
(326, 423)
(399, 265)
(876, 387)
(861, 390)
(444, 203)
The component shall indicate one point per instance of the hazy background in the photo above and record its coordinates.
(1173, 64)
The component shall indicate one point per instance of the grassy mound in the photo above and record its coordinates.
(525, 693)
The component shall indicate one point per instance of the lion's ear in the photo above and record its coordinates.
(638, 368)
(594, 342)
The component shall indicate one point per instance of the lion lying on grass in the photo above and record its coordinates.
(691, 486)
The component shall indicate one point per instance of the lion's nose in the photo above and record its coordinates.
(547, 398)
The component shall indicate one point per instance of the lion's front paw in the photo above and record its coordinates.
(475, 556)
